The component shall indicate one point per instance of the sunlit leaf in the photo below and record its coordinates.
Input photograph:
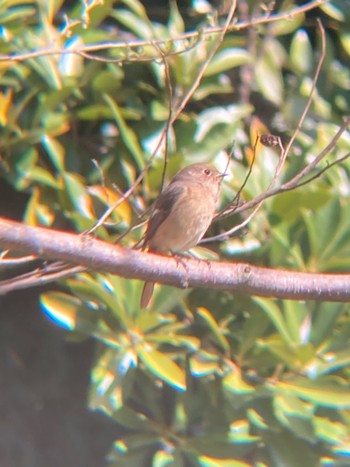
(240, 432)
(334, 11)
(218, 333)
(295, 415)
(276, 316)
(176, 23)
(162, 366)
(132, 419)
(129, 137)
(77, 194)
(269, 78)
(109, 198)
(227, 59)
(301, 52)
(162, 459)
(204, 363)
(235, 383)
(207, 461)
(321, 391)
(5, 103)
(69, 312)
(55, 151)
(331, 431)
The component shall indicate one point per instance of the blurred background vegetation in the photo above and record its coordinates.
(203, 378)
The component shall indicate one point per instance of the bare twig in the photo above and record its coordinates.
(308, 103)
(6, 263)
(168, 123)
(40, 276)
(322, 171)
(187, 37)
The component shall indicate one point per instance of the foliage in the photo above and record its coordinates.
(203, 378)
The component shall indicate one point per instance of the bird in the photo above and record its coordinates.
(182, 214)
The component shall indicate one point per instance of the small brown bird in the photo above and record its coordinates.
(182, 214)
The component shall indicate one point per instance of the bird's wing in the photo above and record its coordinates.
(163, 208)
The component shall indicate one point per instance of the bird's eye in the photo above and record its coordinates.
(207, 171)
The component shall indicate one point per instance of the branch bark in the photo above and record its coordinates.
(237, 277)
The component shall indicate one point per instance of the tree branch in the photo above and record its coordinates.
(237, 277)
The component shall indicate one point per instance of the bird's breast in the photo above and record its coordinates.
(187, 222)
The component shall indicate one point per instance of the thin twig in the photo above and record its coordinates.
(39, 277)
(320, 172)
(308, 103)
(293, 182)
(193, 35)
(241, 188)
(6, 263)
(168, 123)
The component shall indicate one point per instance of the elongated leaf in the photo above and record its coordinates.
(321, 391)
(129, 137)
(275, 314)
(213, 326)
(162, 366)
(227, 59)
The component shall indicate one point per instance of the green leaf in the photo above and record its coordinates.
(131, 419)
(334, 11)
(253, 328)
(227, 59)
(55, 151)
(108, 80)
(128, 135)
(290, 451)
(283, 26)
(215, 462)
(289, 206)
(240, 432)
(204, 363)
(274, 313)
(295, 415)
(95, 112)
(331, 431)
(331, 361)
(162, 459)
(218, 333)
(136, 19)
(17, 14)
(329, 233)
(268, 73)
(298, 321)
(76, 196)
(323, 391)
(176, 23)
(69, 312)
(235, 383)
(324, 320)
(162, 366)
(301, 53)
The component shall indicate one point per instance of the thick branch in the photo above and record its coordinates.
(238, 277)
